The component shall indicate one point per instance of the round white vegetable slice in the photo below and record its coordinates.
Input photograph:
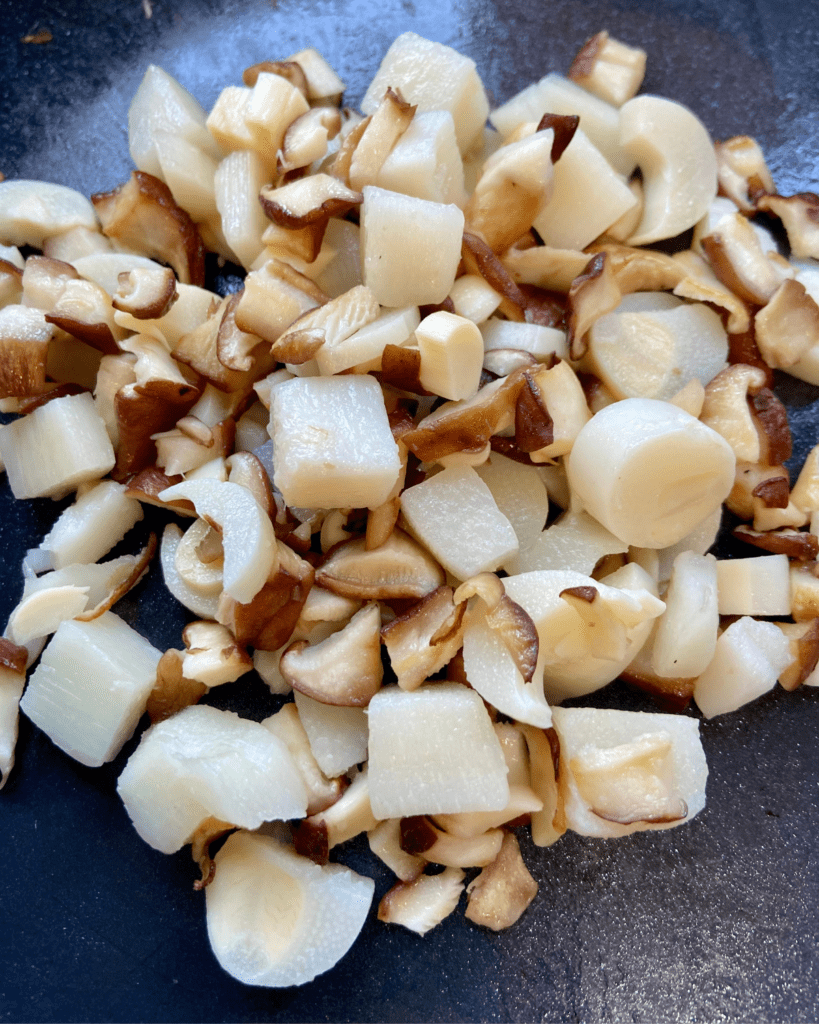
(650, 472)
(275, 918)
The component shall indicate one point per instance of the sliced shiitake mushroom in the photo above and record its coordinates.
(501, 892)
(145, 293)
(425, 638)
(399, 568)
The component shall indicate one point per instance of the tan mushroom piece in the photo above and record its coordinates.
(743, 174)
(423, 903)
(676, 157)
(499, 895)
(212, 655)
(609, 69)
(146, 294)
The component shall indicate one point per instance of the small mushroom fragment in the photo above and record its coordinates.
(146, 294)
(737, 257)
(308, 919)
(31, 211)
(309, 201)
(423, 903)
(331, 324)
(609, 69)
(499, 895)
(273, 297)
(593, 293)
(345, 818)
(13, 660)
(788, 326)
(385, 843)
(306, 138)
(742, 172)
(677, 161)
(800, 215)
(143, 215)
(212, 654)
(321, 791)
(383, 129)
(345, 668)
(419, 835)
(803, 639)
(399, 568)
(794, 543)
(172, 691)
(425, 638)
(543, 747)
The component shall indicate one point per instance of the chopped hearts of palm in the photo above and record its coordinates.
(457, 451)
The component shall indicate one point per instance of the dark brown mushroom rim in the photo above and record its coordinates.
(142, 214)
(658, 819)
(308, 200)
(804, 547)
(564, 126)
(13, 658)
(172, 690)
(772, 417)
(807, 658)
(289, 69)
(145, 293)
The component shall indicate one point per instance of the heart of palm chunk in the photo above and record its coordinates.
(333, 444)
(433, 751)
(454, 514)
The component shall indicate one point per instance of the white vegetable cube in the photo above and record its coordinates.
(433, 77)
(433, 751)
(410, 248)
(455, 516)
(451, 355)
(365, 347)
(56, 448)
(588, 197)
(754, 586)
(90, 527)
(239, 179)
(425, 162)
(91, 686)
(203, 763)
(273, 105)
(687, 632)
(333, 443)
(749, 657)
(338, 735)
(626, 771)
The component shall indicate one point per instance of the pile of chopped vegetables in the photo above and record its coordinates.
(455, 452)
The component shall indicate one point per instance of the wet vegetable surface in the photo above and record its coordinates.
(712, 921)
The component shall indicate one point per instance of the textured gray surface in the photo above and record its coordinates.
(714, 921)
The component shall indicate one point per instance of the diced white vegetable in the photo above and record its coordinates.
(575, 541)
(203, 763)
(31, 211)
(425, 162)
(90, 687)
(451, 350)
(686, 634)
(754, 586)
(333, 443)
(541, 342)
(89, 528)
(521, 496)
(570, 220)
(455, 516)
(365, 347)
(276, 918)
(626, 771)
(650, 472)
(433, 751)
(189, 173)
(433, 77)
(338, 735)
(54, 449)
(237, 183)
(409, 275)
(749, 657)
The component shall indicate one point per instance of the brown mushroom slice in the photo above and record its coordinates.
(506, 618)
(172, 691)
(306, 138)
(479, 258)
(385, 843)
(609, 69)
(593, 293)
(146, 294)
(467, 424)
(84, 310)
(550, 413)
(287, 69)
(273, 297)
(425, 638)
(321, 791)
(212, 654)
(701, 284)
(143, 215)
(794, 543)
(771, 419)
(726, 409)
(344, 669)
(736, 255)
(13, 660)
(515, 185)
(245, 468)
(199, 349)
(523, 802)
(308, 201)
(543, 748)
(803, 638)
(384, 128)
(800, 215)
(267, 621)
(500, 894)
(544, 266)
(462, 851)
(331, 323)
(423, 903)
(787, 328)
(742, 172)
(24, 340)
(399, 568)
(345, 818)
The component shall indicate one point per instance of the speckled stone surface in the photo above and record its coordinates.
(714, 921)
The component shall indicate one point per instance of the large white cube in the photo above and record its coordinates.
(433, 751)
(332, 441)
(454, 514)
(410, 248)
(91, 686)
